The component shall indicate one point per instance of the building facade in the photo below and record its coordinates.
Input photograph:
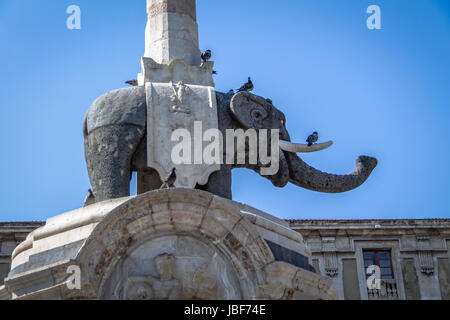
(366, 259)
(409, 258)
(11, 234)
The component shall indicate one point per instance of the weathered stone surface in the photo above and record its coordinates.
(173, 267)
(117, 107)
(167, 244)
(4, 270)
(176, 106)
(172, 31)
(285, 282)
(410, 280)
(404, 239)
(175, 71)
(110, 167)
(4, 293)
(444, 278)
(351, 282)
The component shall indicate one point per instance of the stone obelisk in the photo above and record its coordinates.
(180, 94)
(172, 31)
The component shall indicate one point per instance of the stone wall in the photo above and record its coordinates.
(165, 244)
(11, 234)
(418, 252)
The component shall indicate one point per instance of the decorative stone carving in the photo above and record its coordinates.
(163, 288)
(426, 262)
(180, 98)
(190, 270)
(329, 257)
(165, 244)
(181, 106)
(331, 264)
(425, 255)
(175, 71)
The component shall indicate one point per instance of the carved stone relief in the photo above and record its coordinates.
(173, 267)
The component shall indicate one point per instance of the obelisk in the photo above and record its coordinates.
(172, 31)
(180, 95)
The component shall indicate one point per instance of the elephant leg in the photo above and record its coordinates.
(219, 183)
(109, 151)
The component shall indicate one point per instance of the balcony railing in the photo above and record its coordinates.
(387, 291)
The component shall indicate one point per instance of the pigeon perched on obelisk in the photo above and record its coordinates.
(312, 138)
(90, 198)
(206, 55)
(247, 87)
(169, 182)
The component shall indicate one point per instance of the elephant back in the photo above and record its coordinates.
(118, 107)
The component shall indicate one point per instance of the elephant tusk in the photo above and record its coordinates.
(303, 148)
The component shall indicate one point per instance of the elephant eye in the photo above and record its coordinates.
(257, 114)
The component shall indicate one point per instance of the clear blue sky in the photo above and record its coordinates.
(383, 93)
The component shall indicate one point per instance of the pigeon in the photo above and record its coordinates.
(214, 72)
(312, 138)
(90, 198)
(206, 55)
(230, 92)
(169, 182)
(133, 83)
(247, 87)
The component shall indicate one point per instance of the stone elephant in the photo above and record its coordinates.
(115, 146)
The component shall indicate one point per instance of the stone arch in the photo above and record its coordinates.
(206, 220)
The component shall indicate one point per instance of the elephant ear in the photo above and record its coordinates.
(249, 110)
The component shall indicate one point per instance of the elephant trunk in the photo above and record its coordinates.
(305, 176)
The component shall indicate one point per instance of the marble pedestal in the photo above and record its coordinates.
(170, 244)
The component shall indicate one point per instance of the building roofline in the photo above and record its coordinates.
(19, 223)
(313, 224)
(365, 220)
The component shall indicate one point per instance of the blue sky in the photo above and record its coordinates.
(383, 93)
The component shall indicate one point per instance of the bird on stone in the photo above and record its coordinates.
(169, 182)
(90, 198)
(230, 92)
(312, 138)
(214, 72)
(206, 55)
(247, 86)
(133, 83)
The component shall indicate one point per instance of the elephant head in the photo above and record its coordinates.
(251, 111)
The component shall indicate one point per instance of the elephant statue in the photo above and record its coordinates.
(115, 129)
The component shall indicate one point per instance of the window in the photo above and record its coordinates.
(381, 258)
